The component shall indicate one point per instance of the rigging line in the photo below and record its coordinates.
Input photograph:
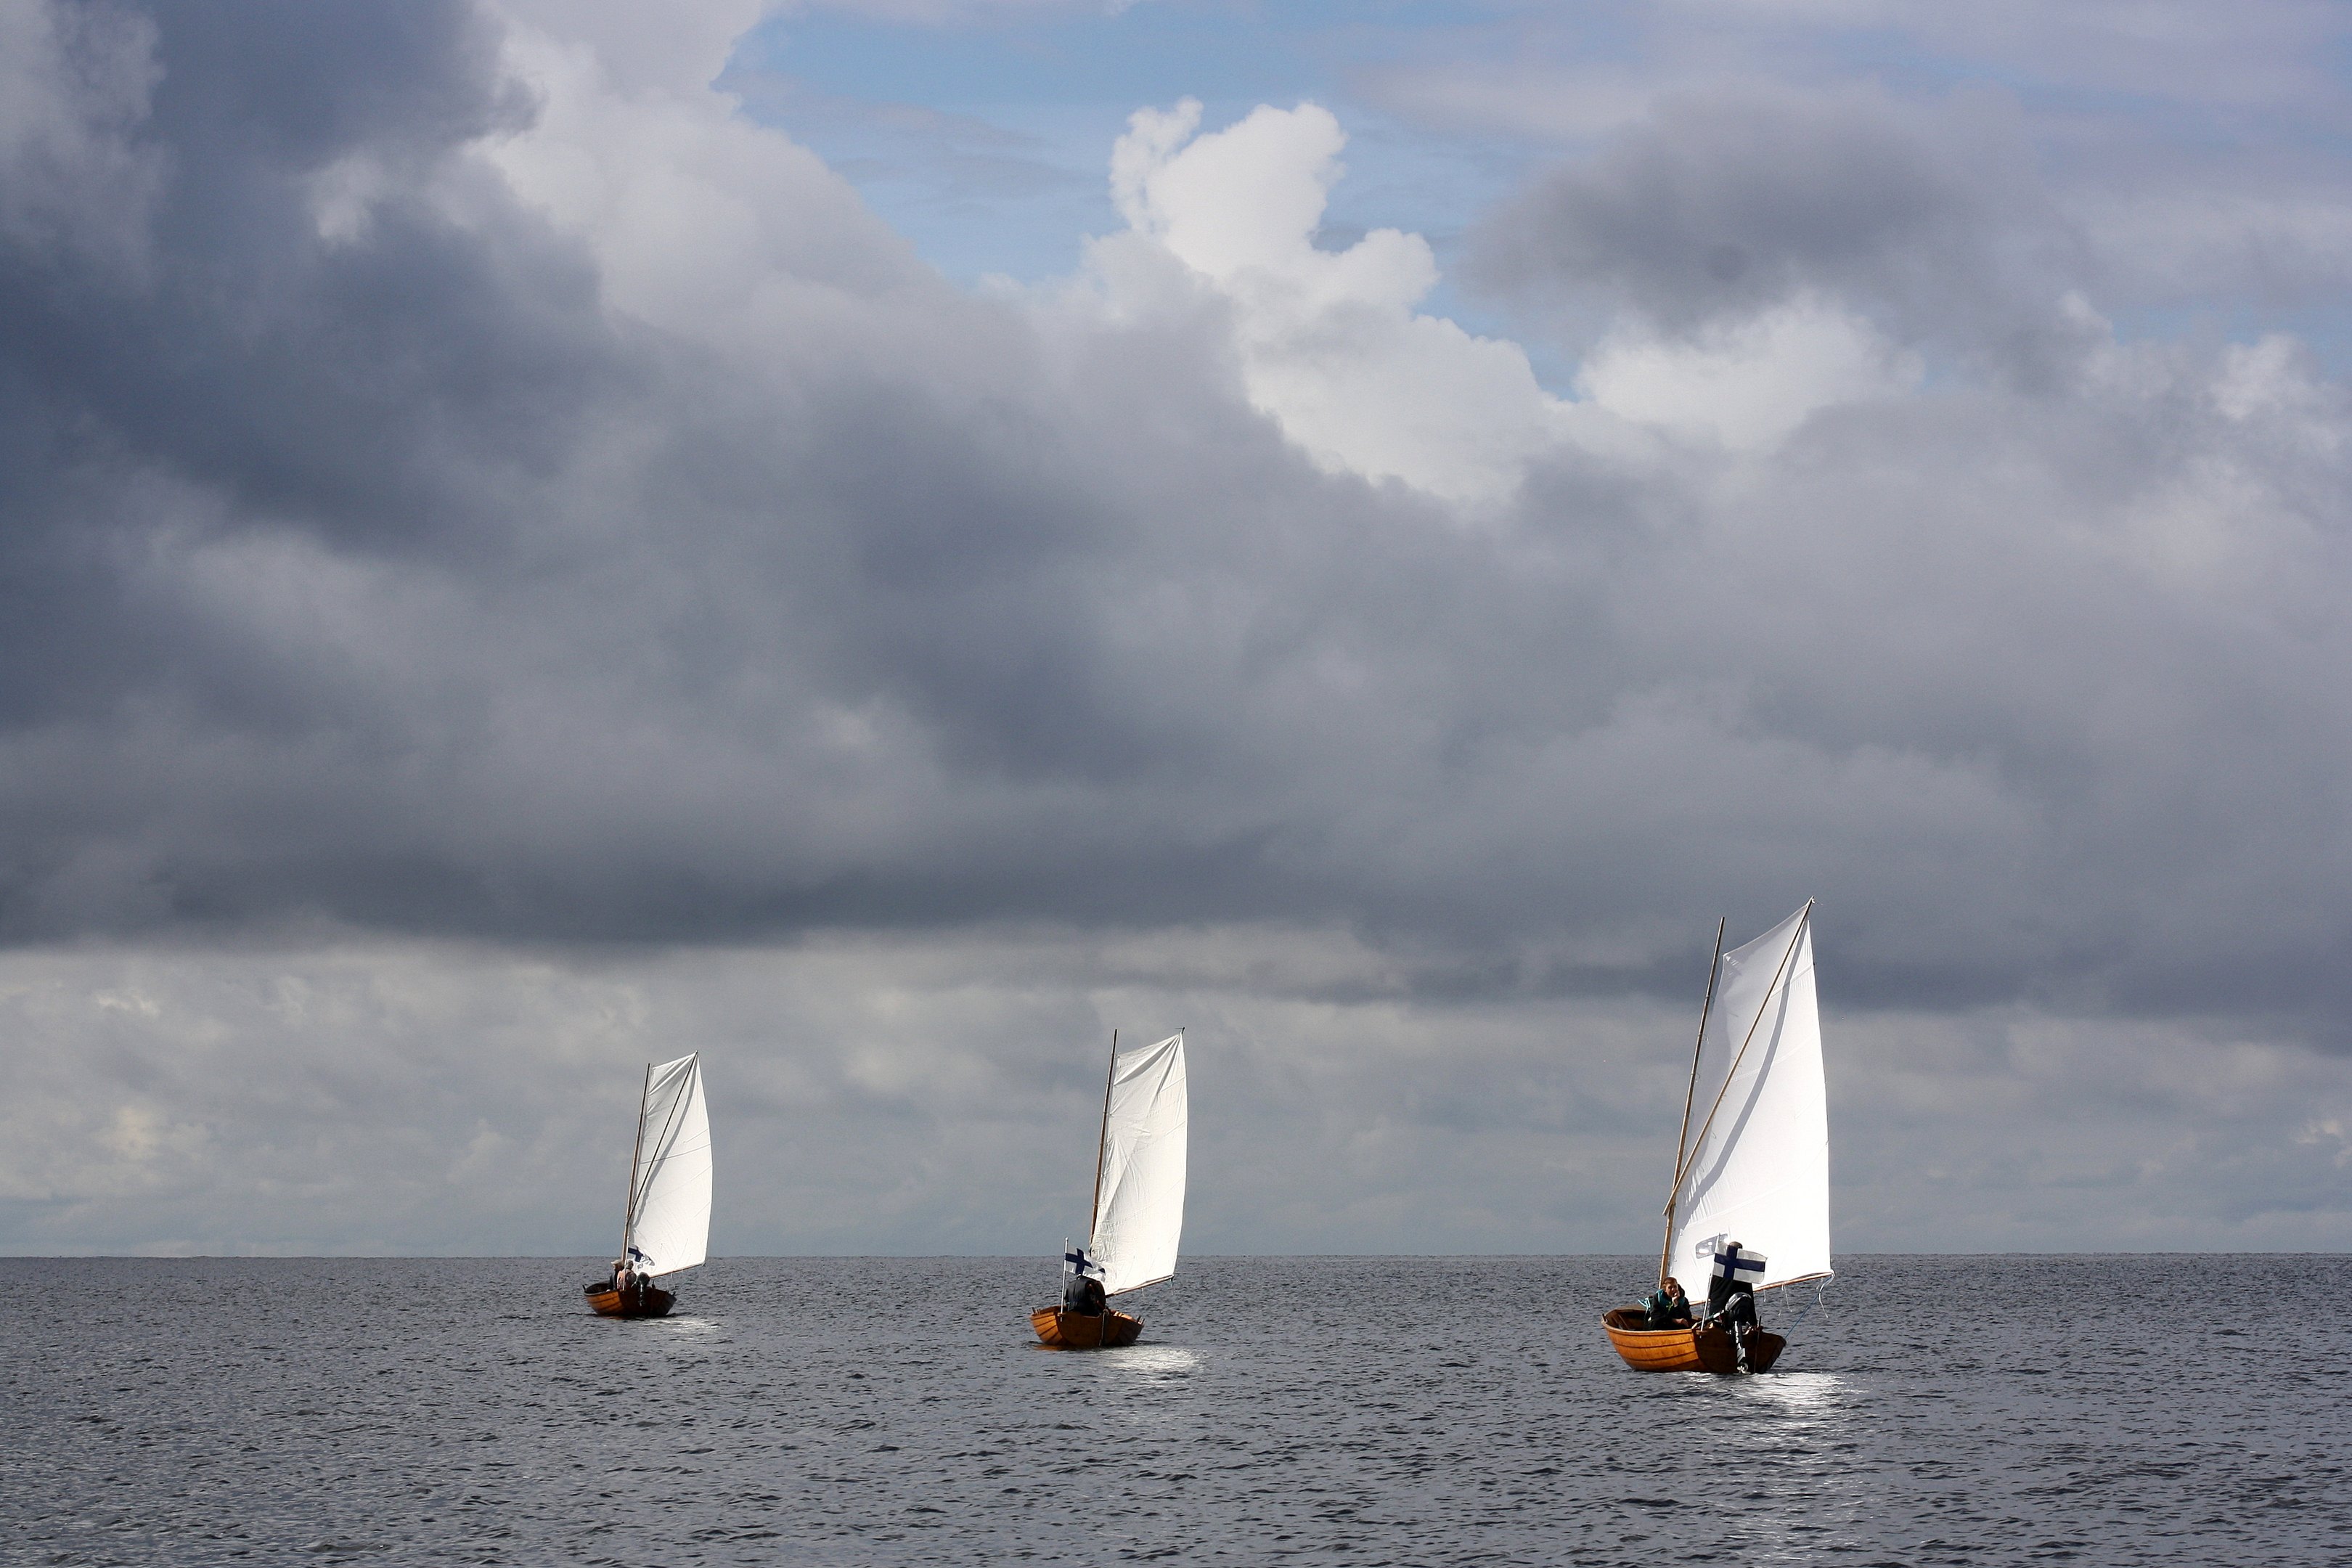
(1682, 1134)
(1102, 1138)
(1821, 1290)
(629, 1213)
(1681, 1138)
(676, 1109)
(1803, 918)
(662, 1149)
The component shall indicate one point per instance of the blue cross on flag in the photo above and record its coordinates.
(1733, 1263)
(1076, 1261)
(637, 1256)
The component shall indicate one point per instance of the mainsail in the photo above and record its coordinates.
(1139, 1212)
(1759, 1172)
(669, 1190)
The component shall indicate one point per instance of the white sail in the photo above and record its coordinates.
(669, 1200)
(1760, 1172)
(1140, 1212)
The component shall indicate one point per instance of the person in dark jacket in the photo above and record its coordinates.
(1731, 1302)
(1083, 1293)
(1728, 1295)
(1667, 1307)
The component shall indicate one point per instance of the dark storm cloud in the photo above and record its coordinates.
(1720, 204)
(224, 371)
(365, 392)
(366, 563)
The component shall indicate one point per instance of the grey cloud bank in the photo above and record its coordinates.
(510, 570)
(930, 1094)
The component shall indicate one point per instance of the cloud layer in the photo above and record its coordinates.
(460, 482)
(938, 1095)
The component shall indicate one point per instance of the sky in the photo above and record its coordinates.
(881, 542)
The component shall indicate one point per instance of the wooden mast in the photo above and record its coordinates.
(629, 1215)
(1682, 1136)
(1102, 1138)
(1804, 917)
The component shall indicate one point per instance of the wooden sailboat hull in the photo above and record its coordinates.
(1705, 1349)
(637, 1302)
(1065, 1330)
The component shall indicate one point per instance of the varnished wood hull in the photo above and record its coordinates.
(1705, 1349)
(638, 1302)
(1065, 1331)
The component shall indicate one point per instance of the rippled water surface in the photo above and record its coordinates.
(1416, 1411)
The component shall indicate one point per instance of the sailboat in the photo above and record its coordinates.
(1750, 1196)
(1139, 1196)
(667, 1226)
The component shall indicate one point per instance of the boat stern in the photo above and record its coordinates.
(1058, 1329)
(640, 1301)
(1701, 1349)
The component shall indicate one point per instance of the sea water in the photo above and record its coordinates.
(1409, 1411)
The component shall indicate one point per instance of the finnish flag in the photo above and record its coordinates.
(1734, 1263)
(1076, 1261)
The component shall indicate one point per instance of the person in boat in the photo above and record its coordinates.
(1666, 1307)
(1730, 1298)
(1083, 1293)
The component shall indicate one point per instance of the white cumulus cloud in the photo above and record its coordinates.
(1749, 385)
(1329, 341)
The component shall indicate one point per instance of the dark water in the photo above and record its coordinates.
(1934, 1410)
